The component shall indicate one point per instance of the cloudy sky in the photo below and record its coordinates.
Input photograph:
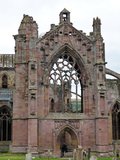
(46, 12)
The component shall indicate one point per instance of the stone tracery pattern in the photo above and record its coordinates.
(5, 124)
(65, 85)
(116, 121)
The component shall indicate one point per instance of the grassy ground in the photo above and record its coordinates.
(8, 156)
(105, 158)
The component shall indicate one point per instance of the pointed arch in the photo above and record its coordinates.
(112, 73)
(68, 136)
(4, 81)
(67, 78)
(116, 121)
(5, 123)
(66, 48)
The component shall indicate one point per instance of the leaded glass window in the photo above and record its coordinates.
(65, 85)
(116, 121)
(5, 124)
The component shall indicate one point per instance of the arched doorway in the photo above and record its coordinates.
(69, 137)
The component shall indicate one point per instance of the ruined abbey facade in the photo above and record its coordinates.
(54, 89)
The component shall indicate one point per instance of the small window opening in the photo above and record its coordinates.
(64, 17)
(100, 68)
(68, 103)
(52, 105)
(4, 81)
(102, 95)
(33, 66)
(33, 96)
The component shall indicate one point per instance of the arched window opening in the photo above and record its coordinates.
(4, 81)
(116, 121)
(52, 105)
(5, 124)
(65, 85)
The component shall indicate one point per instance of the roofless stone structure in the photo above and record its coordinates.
(55, 90)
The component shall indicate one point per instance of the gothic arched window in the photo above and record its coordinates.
(65, 85)
(5, 124)
(116, 121)
(4, 81)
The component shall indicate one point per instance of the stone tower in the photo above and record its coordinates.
(26, 94)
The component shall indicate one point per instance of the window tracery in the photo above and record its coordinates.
(116, 121)
(65, 85)
(5, 124)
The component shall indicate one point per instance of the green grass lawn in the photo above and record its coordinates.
(9, 156)
(105, 158)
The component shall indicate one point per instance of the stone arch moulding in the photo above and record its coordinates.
(116, 101)
(58, 131)
(113, 104)
(5, 123)
(72, 136)
(73, 53)
(7, 107)
(5, 74)
(115, 112)
(4, 80)
(73, 82)
(112, 73)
